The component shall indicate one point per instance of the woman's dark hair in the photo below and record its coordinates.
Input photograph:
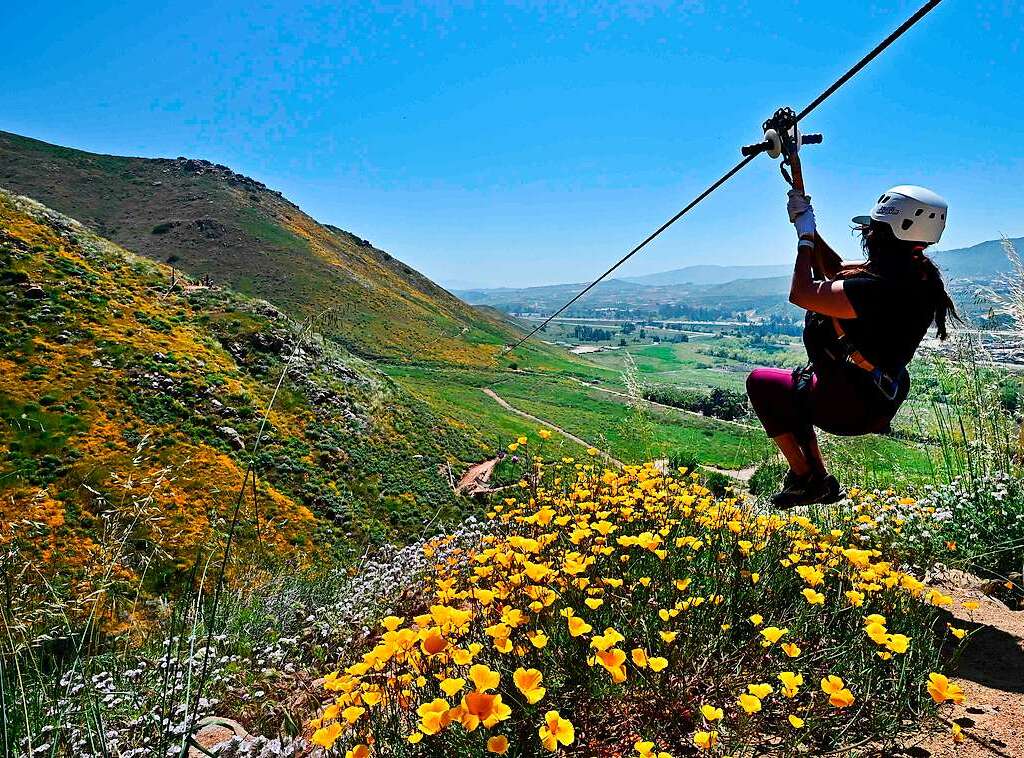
(892, 257)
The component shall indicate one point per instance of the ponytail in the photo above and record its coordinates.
(941, 300)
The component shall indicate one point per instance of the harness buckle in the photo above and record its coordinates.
(888, 386)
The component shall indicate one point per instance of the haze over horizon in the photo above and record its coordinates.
(535, 145)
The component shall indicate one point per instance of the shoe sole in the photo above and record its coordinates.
(831, 499)
(825, 499)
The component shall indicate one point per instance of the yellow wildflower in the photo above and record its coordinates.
(556, 731)
(760, 691)
(326, 736)
(483, 678)
(772, 634)
(705, 740)
(791, 682)
(528, 681)
(941, 689)
(657, 663)
(451, 686)
(711, 713)
(749, 703)
(813, 597)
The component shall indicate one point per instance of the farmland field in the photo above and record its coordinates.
(588, 398)
(706, 359)
(600, 418)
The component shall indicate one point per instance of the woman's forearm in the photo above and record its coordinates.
(814, 294)
(803, 275)
(827, 262)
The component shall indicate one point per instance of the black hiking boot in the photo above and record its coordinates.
(793, 489)
(833, 491)
(808, 490)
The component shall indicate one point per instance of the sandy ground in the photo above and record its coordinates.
(477, 478)
(991, 672)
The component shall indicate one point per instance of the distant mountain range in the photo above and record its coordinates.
(710, 274)
(695, 290)
(982, 262)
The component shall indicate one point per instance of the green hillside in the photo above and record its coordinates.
(129, 410)
(242, 235)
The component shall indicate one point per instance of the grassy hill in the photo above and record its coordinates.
(129, 410)
(242, 235)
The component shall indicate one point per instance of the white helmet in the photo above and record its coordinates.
(915, 214)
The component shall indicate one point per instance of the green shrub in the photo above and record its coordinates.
(767, 478)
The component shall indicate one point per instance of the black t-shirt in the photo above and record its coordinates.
(893, 316)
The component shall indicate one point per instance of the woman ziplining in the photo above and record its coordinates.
(863, 325)
(883, 306)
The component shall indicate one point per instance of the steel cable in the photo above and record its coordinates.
(827, 93)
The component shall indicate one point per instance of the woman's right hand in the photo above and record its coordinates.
(801, 214)
(798, 204)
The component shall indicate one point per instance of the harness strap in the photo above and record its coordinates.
(887, 385)
(853, 355)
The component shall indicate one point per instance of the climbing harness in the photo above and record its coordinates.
(779, 138)
(887, 384)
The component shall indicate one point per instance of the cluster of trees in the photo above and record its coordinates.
(718, 403)
(693, 312)
(591, 334)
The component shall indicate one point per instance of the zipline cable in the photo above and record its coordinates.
(874, 53)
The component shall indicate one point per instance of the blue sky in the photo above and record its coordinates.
(527, 143)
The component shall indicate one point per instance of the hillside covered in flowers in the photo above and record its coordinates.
(131, 405)
(634, 613)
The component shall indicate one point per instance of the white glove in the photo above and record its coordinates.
(805, 226)
(801, 213)
(798, 203)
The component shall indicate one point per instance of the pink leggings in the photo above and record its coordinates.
(841, 401)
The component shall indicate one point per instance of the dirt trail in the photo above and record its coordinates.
(568, 435)
(661, 405)
(991, 672)
(740, 474)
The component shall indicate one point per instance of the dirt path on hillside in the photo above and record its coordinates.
(740, 474)
(568, 435)
(661, 405)
(991, 672)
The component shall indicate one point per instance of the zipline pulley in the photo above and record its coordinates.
(781, 135)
